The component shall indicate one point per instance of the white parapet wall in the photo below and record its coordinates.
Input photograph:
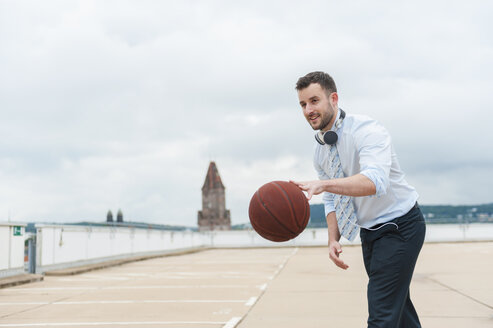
(11, 248)
(249, 238)
(63, 246)
(440, 233)
(435, 233)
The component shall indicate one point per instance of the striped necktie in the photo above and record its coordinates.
(345, 213)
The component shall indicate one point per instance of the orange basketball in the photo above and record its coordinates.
(279, 211)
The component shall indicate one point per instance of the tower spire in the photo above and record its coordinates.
(213, 179)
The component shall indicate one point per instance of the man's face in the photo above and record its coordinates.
(318, 108)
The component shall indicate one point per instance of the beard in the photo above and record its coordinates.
(325, 118)
(324, 121)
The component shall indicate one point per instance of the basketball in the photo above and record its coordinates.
(279, 211)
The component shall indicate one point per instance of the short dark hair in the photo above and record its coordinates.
(325, 80)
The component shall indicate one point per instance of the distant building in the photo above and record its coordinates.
(214, 215)
(109, 216)
(119, 216)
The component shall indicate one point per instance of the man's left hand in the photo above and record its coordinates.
(314, 187)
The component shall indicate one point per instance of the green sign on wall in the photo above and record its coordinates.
(17, 231)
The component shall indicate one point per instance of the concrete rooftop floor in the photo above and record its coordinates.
(254, 288)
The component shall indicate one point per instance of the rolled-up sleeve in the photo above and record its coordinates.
(327, 197)
(375, 156)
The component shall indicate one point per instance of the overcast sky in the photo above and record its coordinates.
(122, 104)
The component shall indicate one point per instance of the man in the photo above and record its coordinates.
(392, 225)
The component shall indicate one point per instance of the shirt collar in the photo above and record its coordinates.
(333, 128)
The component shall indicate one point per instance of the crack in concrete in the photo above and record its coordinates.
(459, 292)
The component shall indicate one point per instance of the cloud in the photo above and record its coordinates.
(122, 104)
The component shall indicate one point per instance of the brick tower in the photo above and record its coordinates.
(214, 215)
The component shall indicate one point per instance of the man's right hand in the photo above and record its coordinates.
(334, 251)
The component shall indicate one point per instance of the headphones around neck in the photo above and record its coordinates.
(330, 137)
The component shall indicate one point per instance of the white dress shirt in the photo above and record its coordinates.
(365, 147)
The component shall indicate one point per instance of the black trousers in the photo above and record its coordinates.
(390, 254)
